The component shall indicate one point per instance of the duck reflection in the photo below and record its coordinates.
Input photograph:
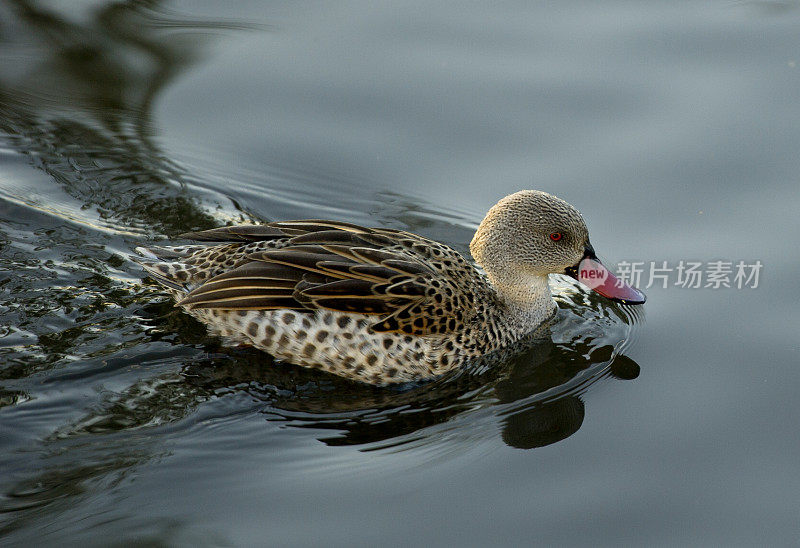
(543, 423)
(534, 394)
(534, 399)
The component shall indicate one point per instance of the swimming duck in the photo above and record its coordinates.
(383, 306)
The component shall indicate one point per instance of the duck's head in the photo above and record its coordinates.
(530, 234)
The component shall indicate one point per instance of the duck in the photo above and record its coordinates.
(383, 306)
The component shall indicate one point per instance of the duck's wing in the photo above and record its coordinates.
(408, 283)
(185, 267)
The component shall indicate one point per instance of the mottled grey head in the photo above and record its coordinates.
(529, 233)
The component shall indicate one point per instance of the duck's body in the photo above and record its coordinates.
(375, 305)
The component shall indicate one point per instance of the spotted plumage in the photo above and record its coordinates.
(372, 304)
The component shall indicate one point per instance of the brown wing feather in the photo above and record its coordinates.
(396, 276)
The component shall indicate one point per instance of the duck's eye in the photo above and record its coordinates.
(556, 236)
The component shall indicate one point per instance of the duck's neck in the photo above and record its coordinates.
(527, 299)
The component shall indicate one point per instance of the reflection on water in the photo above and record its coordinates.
(529, 385)
(99, 372)
(80, 111)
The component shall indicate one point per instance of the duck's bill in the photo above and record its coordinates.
(591, 273)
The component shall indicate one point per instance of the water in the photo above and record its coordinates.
(672, 126)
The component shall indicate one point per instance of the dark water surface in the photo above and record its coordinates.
(673, 126)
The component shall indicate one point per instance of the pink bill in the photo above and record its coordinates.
(593, 274)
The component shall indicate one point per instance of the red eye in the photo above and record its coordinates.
(555, 236)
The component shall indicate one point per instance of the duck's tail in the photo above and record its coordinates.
(163, 264)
